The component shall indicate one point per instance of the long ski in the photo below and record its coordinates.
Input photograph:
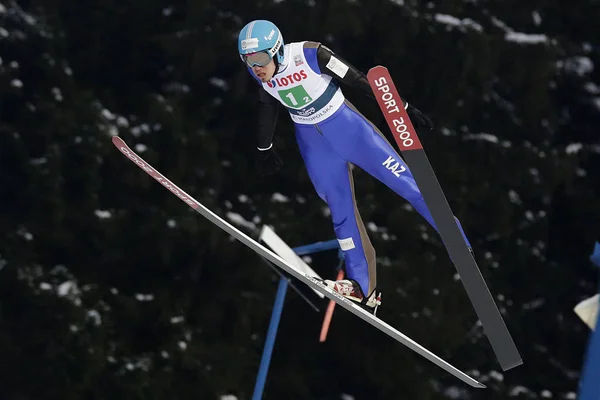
(410, 146)
(307, 279)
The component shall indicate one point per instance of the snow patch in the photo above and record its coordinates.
(103, 214)
(579, 65)
(243, 198)
(496, 376)
(138, 130)
(454, 392)
(107, 114)
(520, 37)
(25, 234)
(573, 148)
(177, 87)
(483, 136)
(57, 94)
(65, 288)
(514, 197)
(38, 161)
(218, 82)
(518, 390)
(591, 87)
(534, 304)
(122, 122)
(525, 38)
(462, 24)
(239, 220)
(140, 148)
(95, 317)
(537, 19)
(279, 198)
(144, 297)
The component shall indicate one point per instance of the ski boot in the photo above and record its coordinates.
(350, 289)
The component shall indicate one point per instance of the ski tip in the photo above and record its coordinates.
(377, 68)
(117, 141)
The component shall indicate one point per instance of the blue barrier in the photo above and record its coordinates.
(590, 380)
(276, 315)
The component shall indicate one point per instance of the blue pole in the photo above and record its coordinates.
(270, 342)
(315, 247)
(276, 316)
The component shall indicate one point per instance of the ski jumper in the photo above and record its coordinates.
(332, 135)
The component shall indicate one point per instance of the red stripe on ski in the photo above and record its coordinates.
(120, 144)
(393, 110)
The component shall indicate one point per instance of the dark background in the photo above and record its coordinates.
(112, 288)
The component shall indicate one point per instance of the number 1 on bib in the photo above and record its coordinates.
(295, 97)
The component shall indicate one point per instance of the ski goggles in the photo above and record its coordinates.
(260, 59)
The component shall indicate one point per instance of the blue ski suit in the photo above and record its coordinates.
(332, 135)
